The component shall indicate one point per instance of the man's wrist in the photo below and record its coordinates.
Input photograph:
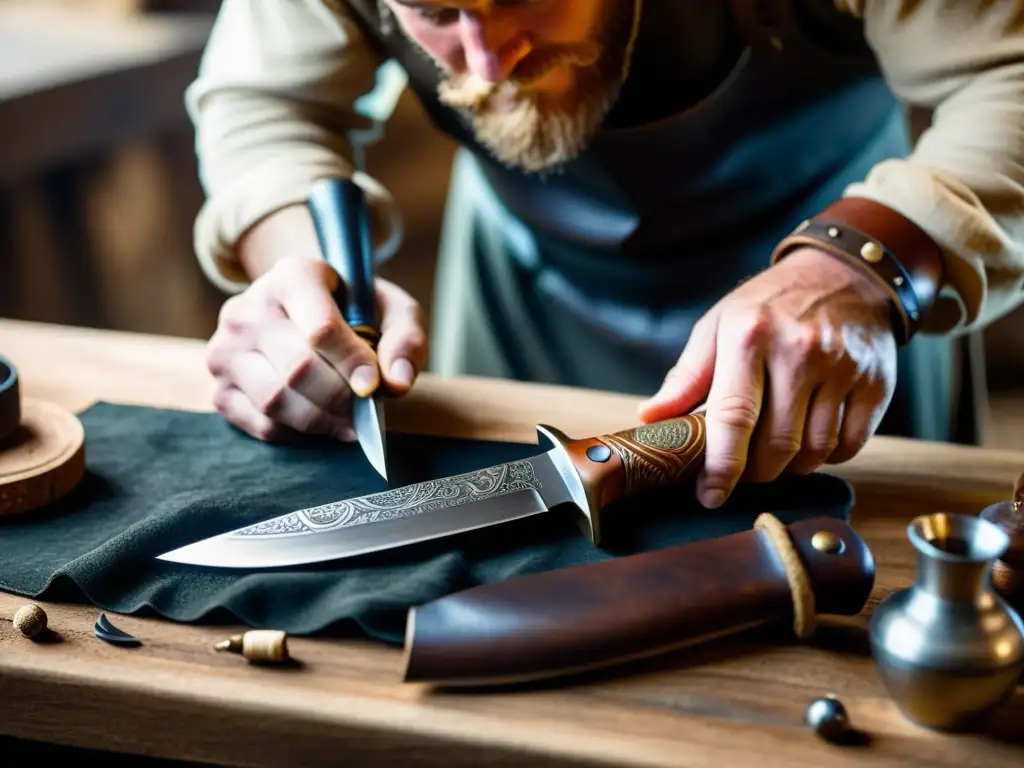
(846, 273)
(888, 246)
(285, 233)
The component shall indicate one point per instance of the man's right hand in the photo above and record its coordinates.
(286, 362)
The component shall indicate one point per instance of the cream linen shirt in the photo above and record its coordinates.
(274, 96)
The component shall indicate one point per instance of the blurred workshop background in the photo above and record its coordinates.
(98, 189)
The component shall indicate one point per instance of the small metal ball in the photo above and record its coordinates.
(30, 620)
(827, 716)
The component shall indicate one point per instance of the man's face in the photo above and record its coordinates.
(536, 77)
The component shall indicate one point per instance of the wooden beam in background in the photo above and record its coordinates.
(74, 83)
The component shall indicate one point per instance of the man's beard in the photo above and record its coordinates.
(535, 131)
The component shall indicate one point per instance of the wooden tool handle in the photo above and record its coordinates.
(338, 208)
(575, 619)
(613, 466)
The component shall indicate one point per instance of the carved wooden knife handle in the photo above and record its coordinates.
(613, 466)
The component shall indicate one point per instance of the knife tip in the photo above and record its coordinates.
(186, 555)
(171, 557)
(380, 466)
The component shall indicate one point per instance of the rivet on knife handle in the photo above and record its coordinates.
(613, 466)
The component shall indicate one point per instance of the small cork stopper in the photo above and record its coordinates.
(262, 646)
(30, 620)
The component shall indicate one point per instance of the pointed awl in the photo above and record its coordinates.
(340, 215)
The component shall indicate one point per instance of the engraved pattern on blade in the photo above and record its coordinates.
(403, 502)
(659, 454)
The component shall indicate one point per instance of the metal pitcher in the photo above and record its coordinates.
(949, 649)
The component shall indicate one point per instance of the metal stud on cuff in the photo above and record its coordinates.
(873, 253)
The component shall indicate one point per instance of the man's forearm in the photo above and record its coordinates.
(287, 233)
(272, 106)
(964, 182)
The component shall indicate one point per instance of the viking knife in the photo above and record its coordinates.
(339, 212)
(582, 476)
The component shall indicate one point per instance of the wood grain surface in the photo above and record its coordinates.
(43, 460)
(739, 701)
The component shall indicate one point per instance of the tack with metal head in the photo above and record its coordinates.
(261, 646)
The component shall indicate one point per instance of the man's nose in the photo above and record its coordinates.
(493, 46)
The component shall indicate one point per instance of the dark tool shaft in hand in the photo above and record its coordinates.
(341, 218)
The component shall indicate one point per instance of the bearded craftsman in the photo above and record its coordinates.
(699, 202)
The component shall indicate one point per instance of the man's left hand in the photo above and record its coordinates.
(797, 366)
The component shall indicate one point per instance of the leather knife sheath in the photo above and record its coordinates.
(576, 619)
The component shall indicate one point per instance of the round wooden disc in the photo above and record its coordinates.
(43, 460)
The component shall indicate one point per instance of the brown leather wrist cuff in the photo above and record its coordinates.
(887, 245)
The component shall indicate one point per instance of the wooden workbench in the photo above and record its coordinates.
(720, 705)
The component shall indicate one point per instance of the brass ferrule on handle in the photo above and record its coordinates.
(368, 333)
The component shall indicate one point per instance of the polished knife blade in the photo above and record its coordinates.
(339, 210)
(584, 475)
(388, 519)
(368, 422)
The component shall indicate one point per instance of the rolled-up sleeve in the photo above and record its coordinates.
(271, 105)
(963, 183)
